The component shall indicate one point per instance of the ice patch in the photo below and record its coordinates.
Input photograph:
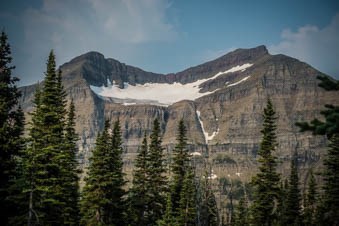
(162, 93)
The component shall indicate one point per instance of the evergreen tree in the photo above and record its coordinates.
(292, 213)
(137, 198)
(179, 167)
(208, 210)
(11, 129)
(156, 179)
(329, 207)
(70, 178)
(168, 219)
(310, 201)
(102, 197)
(187, 205)
(331, 124)
(327, 212)
(266, 182)
(47, 156)
(241, 213)
(117, 210)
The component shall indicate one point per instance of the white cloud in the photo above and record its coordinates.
(317, 46)
(115, 28)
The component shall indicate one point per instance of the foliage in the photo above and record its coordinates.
(266, 182)
(102, 198)
(11, 129)
(156, 184)
(292, 211)
(137, 200)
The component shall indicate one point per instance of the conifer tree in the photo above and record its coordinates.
(208, 210)
(102, 197)
(137, 198)
(11, 129)
(117, 211)
(156, 179)
(70, 178)
(187, 203)
(266, 182)
(310, 201)
(241, 213)
(327, 211)
(168, 219)
(329, 206)
(47, 156)
(292, 213)
(179, 167)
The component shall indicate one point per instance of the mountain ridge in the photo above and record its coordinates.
(226, 121)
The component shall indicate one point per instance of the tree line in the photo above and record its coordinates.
(39, 183)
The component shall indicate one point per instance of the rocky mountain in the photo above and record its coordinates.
(221, 102)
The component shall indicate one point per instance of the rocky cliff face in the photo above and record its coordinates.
(224, 118)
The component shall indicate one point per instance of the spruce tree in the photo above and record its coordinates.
(117, 210)
(266, 182)
(327, 211)
(97, 183)
(329, 207)
(310, 201)
(187, 203)
(156, 179)
(102, 197)
(11, 129)
(47, 156)
(137, 198)
(292, 213)
(179, 167)
(168, 219)
(208, 210)
(70, 178)
(241, 213)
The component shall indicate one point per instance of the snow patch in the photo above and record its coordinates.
(162, 93)
(195, 153)
(207, 137)
(236, 83)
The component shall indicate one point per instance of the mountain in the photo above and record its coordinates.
(221, 102)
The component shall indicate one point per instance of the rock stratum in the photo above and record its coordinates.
(221, 102)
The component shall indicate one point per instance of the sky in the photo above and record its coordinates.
(167, 36)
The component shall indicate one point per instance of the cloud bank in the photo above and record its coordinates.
(317, 46)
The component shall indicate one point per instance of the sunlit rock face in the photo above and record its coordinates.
(221, 102)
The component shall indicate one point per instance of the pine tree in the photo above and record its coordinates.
(137, 198)
(156, 179)
(292, 213)
(266, 182)
(310, 201)
(327, 210)
(168, 219)
(102, 197)
(331, 124)
(208, 210)
(241, 213)
(179, 167)
(330, 203)
(11, 129)
(70, 178)
(187, 203)
(117, 211)
(98, 183)
(46, 156)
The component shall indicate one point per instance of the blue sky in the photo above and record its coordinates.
(168, 36)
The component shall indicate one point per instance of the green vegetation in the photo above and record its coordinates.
(39, 182)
